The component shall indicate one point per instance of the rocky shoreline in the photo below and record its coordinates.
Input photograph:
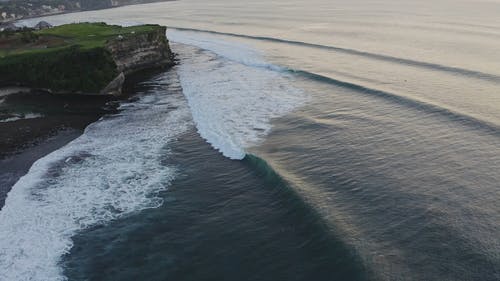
(62, 118)
(34, 121)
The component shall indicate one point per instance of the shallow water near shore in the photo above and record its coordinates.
(361, 144)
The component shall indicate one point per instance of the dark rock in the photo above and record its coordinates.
(42, 25)
(9, 27)
(135, 52)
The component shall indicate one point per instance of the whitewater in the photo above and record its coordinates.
(232, 102)
(114, 168)
(108, 172)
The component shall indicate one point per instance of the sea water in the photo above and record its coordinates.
(294, 140)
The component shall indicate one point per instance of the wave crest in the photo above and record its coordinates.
(231, 100)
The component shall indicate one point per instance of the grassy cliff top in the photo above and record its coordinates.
(84, 35)
(66, 58)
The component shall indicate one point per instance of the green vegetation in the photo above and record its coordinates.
(67, 58)
(85, 35)
(91, 35)
(61, 70)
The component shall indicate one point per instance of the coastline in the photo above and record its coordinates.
(14, 21)
(60, 119)
(37, 119)
(64, 120)
(17, 165)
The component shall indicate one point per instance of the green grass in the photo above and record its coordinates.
(91, 35)
(85, 35)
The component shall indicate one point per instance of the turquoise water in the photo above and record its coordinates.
(319, 140)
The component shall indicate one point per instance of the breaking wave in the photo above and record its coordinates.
(115, 168)
(232, 92)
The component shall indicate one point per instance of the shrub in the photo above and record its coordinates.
(69, 69)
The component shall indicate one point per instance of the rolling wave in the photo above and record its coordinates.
(249, 57)
(294, 187)
(427, 65)
(232, 103)
(417, 104)
(344, 259)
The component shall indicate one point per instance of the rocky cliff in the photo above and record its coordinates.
(134, 52)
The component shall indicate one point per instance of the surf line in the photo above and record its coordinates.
(427, 65)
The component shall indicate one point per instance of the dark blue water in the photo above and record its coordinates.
(431, 218)
(222, 220)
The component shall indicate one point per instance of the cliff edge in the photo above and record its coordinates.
(84, 58)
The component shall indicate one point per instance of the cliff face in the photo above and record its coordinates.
(134, 52)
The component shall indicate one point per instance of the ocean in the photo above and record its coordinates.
(293, 140)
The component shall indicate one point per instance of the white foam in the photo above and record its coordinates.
(21, 116)
(5, 91)
(113, 169)
(232, 101)
(236, 52)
